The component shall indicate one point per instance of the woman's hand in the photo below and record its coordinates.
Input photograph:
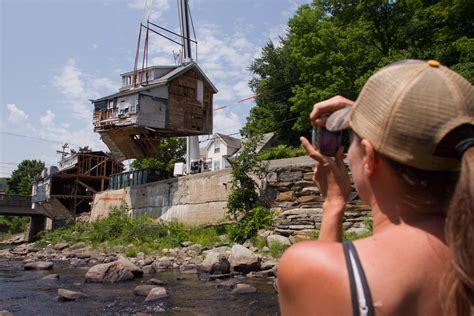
(330, 175)
(327, 107)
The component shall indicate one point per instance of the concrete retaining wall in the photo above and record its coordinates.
(286, 186)
(193, 200)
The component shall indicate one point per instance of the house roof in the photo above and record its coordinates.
(266, 138)
(179, 70)
(228, 140)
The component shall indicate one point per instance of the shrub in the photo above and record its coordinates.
(133, 234)
(247, 227)
(280, 152)
(16, 224)
(277, 249)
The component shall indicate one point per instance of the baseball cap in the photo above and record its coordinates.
(406, 109)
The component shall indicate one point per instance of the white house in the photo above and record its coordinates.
(219, 149)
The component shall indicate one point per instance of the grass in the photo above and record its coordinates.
(132, 234)
(276, 249)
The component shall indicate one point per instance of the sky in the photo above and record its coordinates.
(56, 55)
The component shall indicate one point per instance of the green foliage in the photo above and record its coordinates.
(333, 46)
(16, 224)
(172, 150)
(244, 194)
(22, 177)
(132, 234)
(248, 226)
(280, 152)
(277, 249)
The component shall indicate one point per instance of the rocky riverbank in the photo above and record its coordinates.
(230, 267)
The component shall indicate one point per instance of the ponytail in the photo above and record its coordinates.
(459, 282)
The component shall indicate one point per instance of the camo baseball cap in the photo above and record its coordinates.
(406, 109)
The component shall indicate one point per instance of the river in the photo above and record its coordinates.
(24, 293)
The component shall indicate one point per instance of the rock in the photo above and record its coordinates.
(243, 289)
(243, 260)
(308, 199)
(120, 270)
(143, 290)
(61, 245)
(39, 265)
(269, 264)
(148, 261)
(140, 256)
(262, 233)
(186, 243)
(83, 255)
(163, 263)
(265, 249)
(265, 273)
(272, 177)
(191, 271)
(279, 239)
(156, 293)
(286, 196)
(5, 313)
(291, 176)
(53, 277)
(147, 270)
(67, 295)
(156, 282)
(78, 245)
(215, 263)
(227, 284)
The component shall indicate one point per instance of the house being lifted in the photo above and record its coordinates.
(68, 190)
(154, 102)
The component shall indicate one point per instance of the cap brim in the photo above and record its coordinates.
(339, 120)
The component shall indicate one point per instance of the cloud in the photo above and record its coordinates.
(48, 118)
(77, 88)
(15, 115)
(227, 122)
(155, 11)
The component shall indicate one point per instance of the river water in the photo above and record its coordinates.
(24, 293)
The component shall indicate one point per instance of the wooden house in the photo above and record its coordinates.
(68, 190)
(156, 102)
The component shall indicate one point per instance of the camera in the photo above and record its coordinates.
(325, 141)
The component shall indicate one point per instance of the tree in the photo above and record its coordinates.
(172, 150)
(21, 179)
(333, 46)
(276, 75)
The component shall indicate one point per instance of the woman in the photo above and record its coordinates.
(412, 161)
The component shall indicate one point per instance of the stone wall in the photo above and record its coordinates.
(286, 187)
(291, 191)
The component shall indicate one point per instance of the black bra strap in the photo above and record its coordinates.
(365, 285)
(355, 302)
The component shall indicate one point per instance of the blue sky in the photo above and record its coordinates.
(58, 54)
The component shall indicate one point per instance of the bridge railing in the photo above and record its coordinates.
(15, 200)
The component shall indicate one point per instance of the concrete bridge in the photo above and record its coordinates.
(21, 205)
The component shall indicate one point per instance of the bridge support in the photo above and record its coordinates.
(37, 225)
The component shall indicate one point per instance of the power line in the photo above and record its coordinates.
(37, 138)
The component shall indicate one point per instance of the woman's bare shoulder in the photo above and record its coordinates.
(313, 274)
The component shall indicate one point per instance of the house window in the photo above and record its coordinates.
(226, 164)
(217, 165)
(217, 147)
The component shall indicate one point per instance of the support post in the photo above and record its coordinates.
(37, 225)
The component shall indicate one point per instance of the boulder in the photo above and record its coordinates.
(67, 295)
(156, 282)
(215, 263)
(279, 239)
(39, 265)
(143, 290)
(61, 245)
(243, 289)
(53, 277)
(5, 313)
(147, 270)
(120, 270)
(243, 260)
(269, 264)
(156, 293)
